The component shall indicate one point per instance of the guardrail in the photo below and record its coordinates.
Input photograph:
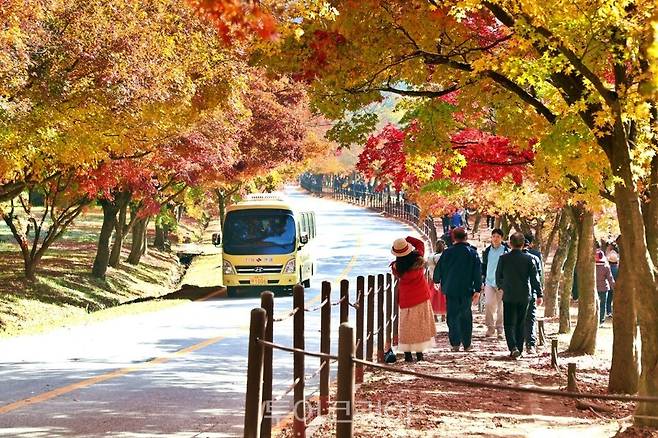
(387, 200)
(351, 358)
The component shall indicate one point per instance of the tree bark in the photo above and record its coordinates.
(102, 258)
(120, 229)
(583, 340)
(553, 280)
(546, 248)
(138, 240)
(625, 369)
(566, 284)
(633, 243)
(476, 224)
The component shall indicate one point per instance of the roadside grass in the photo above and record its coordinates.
(66, 293)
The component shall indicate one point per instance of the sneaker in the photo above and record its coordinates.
(501, 336)
(419, 356)
(515, 354)
(490, 333)
(455, 348)
(408, 357)
(469, 348)
(530, 349)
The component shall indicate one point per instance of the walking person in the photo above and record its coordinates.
(416, 329)
(493, 296)
(438, 299)
(530, 332)
(517, 275)
(613, 260)
(460, 276)
(604, 283)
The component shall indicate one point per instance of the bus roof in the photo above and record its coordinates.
(262, 201)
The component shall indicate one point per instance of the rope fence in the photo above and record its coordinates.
(376, 329)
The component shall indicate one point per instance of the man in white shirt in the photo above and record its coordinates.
(493, 297)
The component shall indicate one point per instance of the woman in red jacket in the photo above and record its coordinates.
(417, 327)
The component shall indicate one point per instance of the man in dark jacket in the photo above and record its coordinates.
(459, 273)
(531, 314)
(517, 276)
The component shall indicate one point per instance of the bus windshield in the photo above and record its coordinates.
(262, 231)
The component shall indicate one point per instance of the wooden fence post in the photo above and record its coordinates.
(389, 312)
(267, 303)
(554, 347)
(360, 293)
(396, 312)
(345, 391)
(325, 347)
(299, 422)
(380, 318)
(572, 386)
(370, 333)
(252, 414)
(344, 300)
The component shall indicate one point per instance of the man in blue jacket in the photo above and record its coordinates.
(459, 273)
(517, 276)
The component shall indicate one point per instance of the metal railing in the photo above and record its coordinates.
(385, 199)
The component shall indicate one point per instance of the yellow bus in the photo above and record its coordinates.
(267, 244)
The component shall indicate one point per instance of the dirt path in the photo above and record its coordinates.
(391, 405)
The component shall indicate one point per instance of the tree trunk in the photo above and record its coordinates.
(102, 259)
(504, 225)
(546, 249)
(138, 239)
(567, 282)
(476, 224)
(145, 242)
(583, 340)
(120, 229)
(221, 203)
(553, 280)
(625, 370)
(634, 245)
(30, 269)
(160, 237)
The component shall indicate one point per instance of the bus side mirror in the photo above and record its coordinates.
(216, 239)
(303, 239)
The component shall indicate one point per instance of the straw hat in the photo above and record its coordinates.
(401, 248)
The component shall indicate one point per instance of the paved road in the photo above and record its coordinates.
(180, 372)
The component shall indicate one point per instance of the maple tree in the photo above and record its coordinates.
(578, 70)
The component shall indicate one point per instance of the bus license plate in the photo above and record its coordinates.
(258, 280)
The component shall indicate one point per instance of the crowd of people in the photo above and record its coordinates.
(508, 278)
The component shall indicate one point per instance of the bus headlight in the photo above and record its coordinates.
(290, 267)
(228, 268)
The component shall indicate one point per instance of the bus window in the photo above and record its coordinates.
(313, 220)
(311, 225)
(305, 224)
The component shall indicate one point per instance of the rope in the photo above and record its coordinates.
(307, 378)
(288, 391)
(514, 388)
(288, 315)
(355, 304)
(296, 350)
(339, 301)
(318, 307)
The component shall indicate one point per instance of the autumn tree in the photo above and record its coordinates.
(580, 68)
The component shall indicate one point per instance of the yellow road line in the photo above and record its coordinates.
(346, 270)
(159, 360)
(111, 375)
(105, 377)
